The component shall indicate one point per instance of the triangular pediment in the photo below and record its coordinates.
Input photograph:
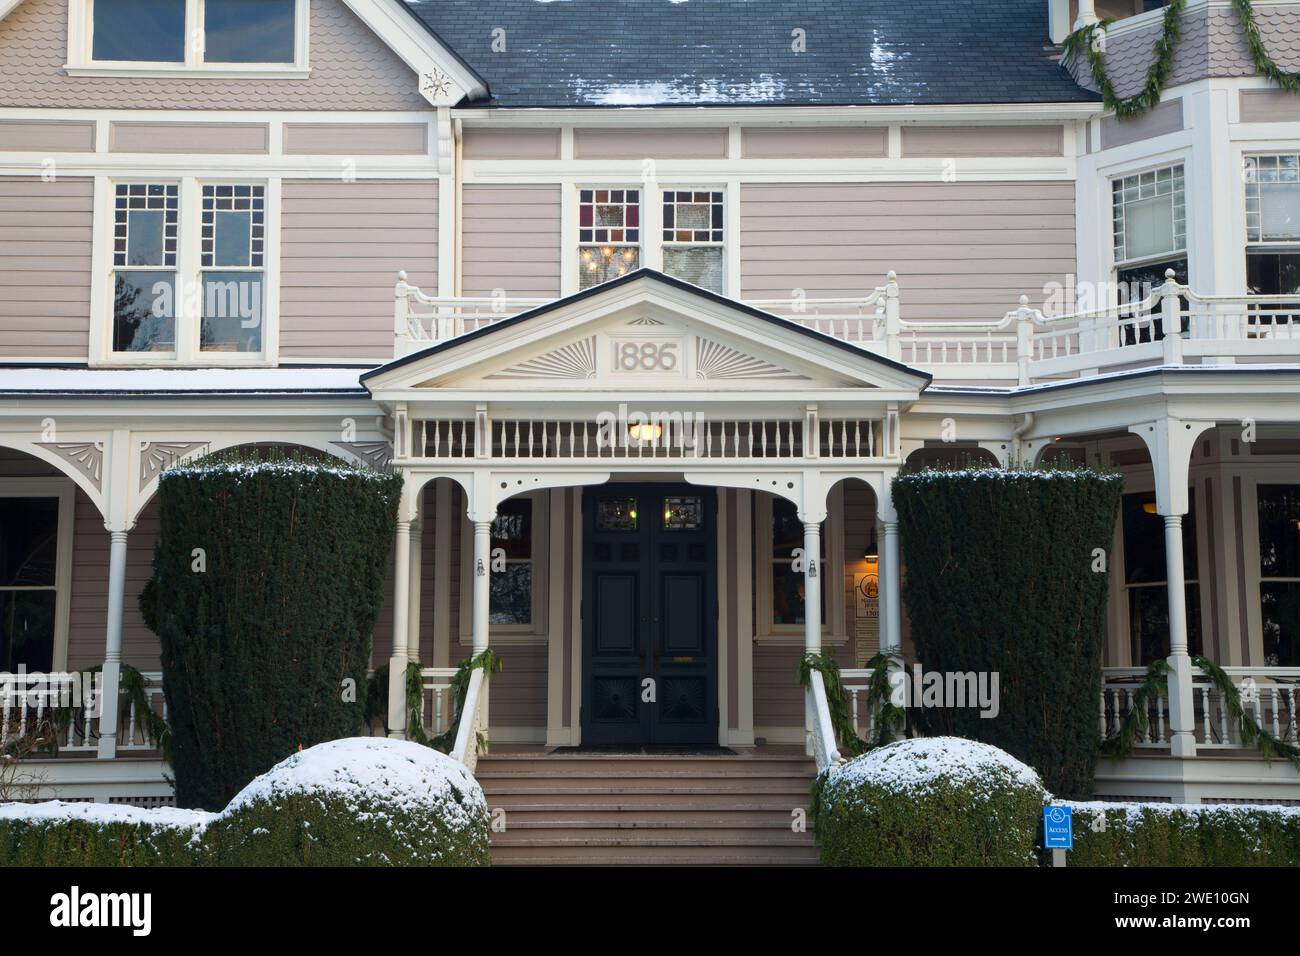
(645, 332)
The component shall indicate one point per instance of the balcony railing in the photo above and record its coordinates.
(1024, 347)
(30, 704)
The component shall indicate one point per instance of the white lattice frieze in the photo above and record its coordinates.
(86, 456)
(577, 360)
(716, 361)
(155, 456)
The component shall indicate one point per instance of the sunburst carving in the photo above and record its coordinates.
(576, 360)
(158, 455)
(436, 84)
(645, 320)
(86, 456)
(376, 453)
(717, 361)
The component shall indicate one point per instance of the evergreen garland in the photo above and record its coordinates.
(1083, 42)
(836, 698)
(891, 720)
(487, 661)
(131, 688)
(1263, 62)
(1155, 683)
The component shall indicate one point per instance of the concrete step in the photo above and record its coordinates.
(692, 800)
(645, 785)
(644, 765)
(582, 818)
(603, 836)
(541, 855)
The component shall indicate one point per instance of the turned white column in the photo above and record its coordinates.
(1182, 714)
(399, 657)
(1087, 14)
(413, 599)
(812, 591)
(891, 633)
(482, 583)
(112, 671)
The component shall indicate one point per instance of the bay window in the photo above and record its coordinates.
(1149, 211)
(609, 234)
(693, 237)
(131, 36)
(189, 278)
(1279, 570)
(1273, 224)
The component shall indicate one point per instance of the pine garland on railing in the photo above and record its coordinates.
(132, 690)
(487, 661)
(1084, 41)
(1263, 62)
(891, 720)
(1155, 684)
(836, 698)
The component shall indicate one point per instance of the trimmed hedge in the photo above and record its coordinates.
(358, 802)
(1000, 579)
(257, 647)
(1163, 834)
(930, 802)
(89, 834)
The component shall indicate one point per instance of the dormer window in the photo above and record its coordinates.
(143, 37)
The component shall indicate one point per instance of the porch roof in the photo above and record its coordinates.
(180, 382)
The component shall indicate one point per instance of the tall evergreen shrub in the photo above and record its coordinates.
(1002, 575)
(268, 577)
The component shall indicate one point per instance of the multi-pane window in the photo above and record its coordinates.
(145, 242)
(787, 583)
(1145, 577)
(1279, 571)
(609, 234)
(1150, 229)
(224, 32)
(1273, 224)
(233, 263)
(693, 237)
(511, 589)
(28, 591)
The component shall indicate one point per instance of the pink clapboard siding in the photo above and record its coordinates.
(341, 247)
(511, 240)
(961, 250)
(45, 241)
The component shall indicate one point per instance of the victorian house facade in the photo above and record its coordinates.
(640, 299)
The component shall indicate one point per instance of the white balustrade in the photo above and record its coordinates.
(29, 704)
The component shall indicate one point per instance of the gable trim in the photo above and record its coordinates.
(870, 358)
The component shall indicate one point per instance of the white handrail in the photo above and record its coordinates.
(825, 751)
(465, 748)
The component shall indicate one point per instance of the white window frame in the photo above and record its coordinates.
(189, 271)
(1118, 264)
(834, 630)
(1252, 181)
(81, 61)
(1281, 471)
(510, 633)
(676, 244)
(575, 242)
(65, 491)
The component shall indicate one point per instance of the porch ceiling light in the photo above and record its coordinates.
(645, 431)
(872, 553)
(1149, 507)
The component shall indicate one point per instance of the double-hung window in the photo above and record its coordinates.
(1145, 578)
(189, 274)
(1273, 224)
(35, 571)
(1279, 570)
(169, 35)
(1149, 212)
(609, 234)
(511, 592)
(693, 237)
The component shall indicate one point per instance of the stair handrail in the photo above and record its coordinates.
(465, 749)
(825, 751)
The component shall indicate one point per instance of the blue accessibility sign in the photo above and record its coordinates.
(1058, 828)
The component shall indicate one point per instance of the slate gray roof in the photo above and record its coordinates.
(580, 53)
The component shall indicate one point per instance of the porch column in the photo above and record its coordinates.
(1182, 715)
(399, 657)
(413, 600)
(482, 584)
(812, 591)
(112, 671)
(1087, 14)
(891, 635)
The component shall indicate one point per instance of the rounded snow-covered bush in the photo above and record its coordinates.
(362, 801)
(941, 801)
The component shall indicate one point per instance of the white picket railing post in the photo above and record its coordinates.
(893, 318)
(1171, 320)
(401, 316)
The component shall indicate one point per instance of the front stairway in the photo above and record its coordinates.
(649, 809)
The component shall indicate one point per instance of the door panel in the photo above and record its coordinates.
(649, 613)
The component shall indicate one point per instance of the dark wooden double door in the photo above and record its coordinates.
(649, 618)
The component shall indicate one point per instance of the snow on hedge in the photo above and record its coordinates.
(399, 774)
(251, 467)
(1133, 812)
(107, 814)
(918, 765)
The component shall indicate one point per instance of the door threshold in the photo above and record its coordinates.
(647, 750)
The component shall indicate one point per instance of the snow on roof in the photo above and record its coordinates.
(410, 776)
(167, 381)
(910, 765)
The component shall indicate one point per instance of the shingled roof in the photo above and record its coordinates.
(603, 53)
